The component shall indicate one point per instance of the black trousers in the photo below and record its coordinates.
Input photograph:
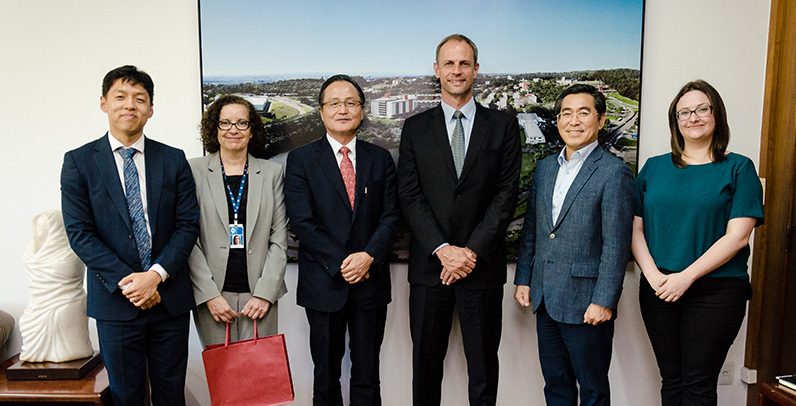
(154, 343)
(573, 357)
(691, 336)
(431, 317)
(327, 347)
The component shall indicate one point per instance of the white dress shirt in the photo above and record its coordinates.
(567, 171)
(140, 166)
(352, 147)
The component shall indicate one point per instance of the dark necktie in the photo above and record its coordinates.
(136, 208)
(457, 143)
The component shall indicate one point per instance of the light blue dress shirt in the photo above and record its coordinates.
(567, 171)
(468, 116)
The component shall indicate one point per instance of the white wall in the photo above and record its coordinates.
(54, 54)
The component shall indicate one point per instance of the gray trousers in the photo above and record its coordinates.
(242, 328)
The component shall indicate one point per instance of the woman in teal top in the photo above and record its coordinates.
(695, 210)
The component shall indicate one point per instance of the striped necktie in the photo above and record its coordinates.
(457, 143)
(136, 208)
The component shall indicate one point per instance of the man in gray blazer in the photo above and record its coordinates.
(574, 250)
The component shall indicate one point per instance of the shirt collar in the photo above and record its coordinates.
(352, 145)
(468, 110)
(116, 144)
(579, 155)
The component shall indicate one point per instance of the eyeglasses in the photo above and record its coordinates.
(567, 115)
(336, 104)
(241, 125)
(703, 110)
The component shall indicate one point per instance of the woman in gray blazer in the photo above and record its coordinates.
(238, 262)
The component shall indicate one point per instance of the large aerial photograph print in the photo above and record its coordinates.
(277, 54)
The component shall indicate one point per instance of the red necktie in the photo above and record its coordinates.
(349, 178)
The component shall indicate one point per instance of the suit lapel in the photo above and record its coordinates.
(585, 173)
(327, 162)
(364, 163)
(477, 138)
(106, 165)
(254, 196)
(154, 181)
(439, 132)
(215, 183)
(548, 175)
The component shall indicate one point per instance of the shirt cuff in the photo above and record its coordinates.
(162, 272)
(439, 248)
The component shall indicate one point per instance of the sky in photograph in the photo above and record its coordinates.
(311, 38)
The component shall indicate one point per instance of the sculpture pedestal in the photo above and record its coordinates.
(91, 389)
(37, 371)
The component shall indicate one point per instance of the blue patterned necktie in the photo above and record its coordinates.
(457, 143)
(136, 207)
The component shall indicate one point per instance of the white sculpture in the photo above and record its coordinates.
(54, 326)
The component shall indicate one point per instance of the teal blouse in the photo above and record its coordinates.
(686, 210)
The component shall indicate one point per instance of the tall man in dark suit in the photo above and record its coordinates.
(574, 250)
(131, 215)
(458, 175)
(341, 200)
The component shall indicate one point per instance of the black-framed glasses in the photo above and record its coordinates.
(702, 111)
(240, 125)
(336, 104)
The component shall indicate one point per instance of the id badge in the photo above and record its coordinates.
(236, 236)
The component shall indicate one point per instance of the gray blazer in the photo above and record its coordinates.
(266, 230)
(582, 258)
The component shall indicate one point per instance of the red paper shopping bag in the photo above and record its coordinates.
(249, 372)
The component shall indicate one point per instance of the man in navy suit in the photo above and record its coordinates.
(574, 251)
(341, 199)
(131, 215)
(458, 174)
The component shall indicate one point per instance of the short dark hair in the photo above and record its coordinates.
(209, 126)
(338, 78)
(721, 134)
(599, 98)
(129, 73)
(457, 37)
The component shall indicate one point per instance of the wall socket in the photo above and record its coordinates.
(725, 376)
(748, 376)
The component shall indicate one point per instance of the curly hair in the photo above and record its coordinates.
(209, 125)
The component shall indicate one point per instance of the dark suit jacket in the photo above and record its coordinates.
(328, 230)
(100, 232)
(582, 258)
(472, 211)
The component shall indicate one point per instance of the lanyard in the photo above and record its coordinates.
(235, 200)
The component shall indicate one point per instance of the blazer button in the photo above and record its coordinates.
(250, 251)
(552, 236)
(130, 236)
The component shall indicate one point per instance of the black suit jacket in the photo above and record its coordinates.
(328, 229)
(100, 232)
(472, 211)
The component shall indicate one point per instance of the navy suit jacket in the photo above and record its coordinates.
(469, 211)
(328, 229)
(99, 228)
(581, 259)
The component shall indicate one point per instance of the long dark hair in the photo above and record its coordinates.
(721, 134)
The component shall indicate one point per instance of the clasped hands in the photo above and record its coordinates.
(457, 263)
(356, 267)
(671, 287)
(219, 308)
(141, 288)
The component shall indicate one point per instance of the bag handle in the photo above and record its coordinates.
(226, 338)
